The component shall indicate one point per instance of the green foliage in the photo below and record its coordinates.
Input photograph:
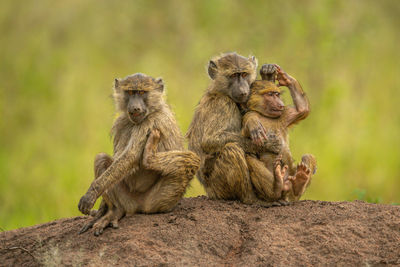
(361, 194)
(58, 60)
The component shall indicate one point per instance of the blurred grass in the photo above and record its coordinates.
(58, 60)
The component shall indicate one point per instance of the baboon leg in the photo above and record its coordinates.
(229, 177)
(119, 213)
(177, 168)
(174, 163)
(302, 178)
(262, 178)
(121, 197)
(150, 147)
(101, 162)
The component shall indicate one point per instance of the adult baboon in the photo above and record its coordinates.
(214, 133)
(148, 172)
(270, 180)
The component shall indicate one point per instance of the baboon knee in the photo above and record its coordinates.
(101, 162)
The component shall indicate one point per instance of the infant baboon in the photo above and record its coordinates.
(266, 107)
(214, 133)
(148, 172)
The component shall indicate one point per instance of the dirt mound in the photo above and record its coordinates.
(204, 232)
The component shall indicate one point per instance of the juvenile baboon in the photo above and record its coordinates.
(148, 172)
(272, 181)
(214, 133)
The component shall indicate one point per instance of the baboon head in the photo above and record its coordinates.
(265, 99)
(138, 95)
(232, 75)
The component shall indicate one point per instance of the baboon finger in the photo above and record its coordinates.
(262, 131)
(284, 169)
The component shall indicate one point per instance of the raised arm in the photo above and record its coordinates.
(301, 107)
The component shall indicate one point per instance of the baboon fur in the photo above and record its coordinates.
(126, 185)
(263, 168)
(215, 131)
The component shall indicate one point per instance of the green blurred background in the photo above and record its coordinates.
(58, 60)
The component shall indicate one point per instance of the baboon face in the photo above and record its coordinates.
(233, 75)
(265, 99)
(239, 87)
(138, 95)
(136, 107)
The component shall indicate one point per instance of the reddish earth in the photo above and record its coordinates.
(201, 232)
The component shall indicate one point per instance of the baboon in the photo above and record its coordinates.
(276, 176)
(215, 131)
(149, 171)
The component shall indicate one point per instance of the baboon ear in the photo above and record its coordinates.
(212, 69)
(161, 84)
(254, 60)
(116, 85)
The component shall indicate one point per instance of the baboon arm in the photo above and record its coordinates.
(301, 107)
(128, 161)
(252, 124)
(221, 126)
(214, 142)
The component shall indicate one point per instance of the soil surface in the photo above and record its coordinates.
(202, 232)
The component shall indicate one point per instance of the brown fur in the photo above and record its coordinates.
(214, 133)
(128, 187)
(266, 175)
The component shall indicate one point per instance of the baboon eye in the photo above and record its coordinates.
(130, 92)
(234, 75)
(244, 74)
(140, 92)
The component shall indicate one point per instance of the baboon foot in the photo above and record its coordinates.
(151, 146)
(300, 179)
(97, 214)
(110, 219)
(277, 203)
(101, 225)
(282, 183)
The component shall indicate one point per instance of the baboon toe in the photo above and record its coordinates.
(114, 224)
(283, 202)
(98, 231)
(303, 168)
(278, 161)
(85, 228)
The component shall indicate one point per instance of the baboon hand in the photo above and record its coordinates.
(268, 72)
(87, 202)
(273, 143)
(284, 79)
(258, 135)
